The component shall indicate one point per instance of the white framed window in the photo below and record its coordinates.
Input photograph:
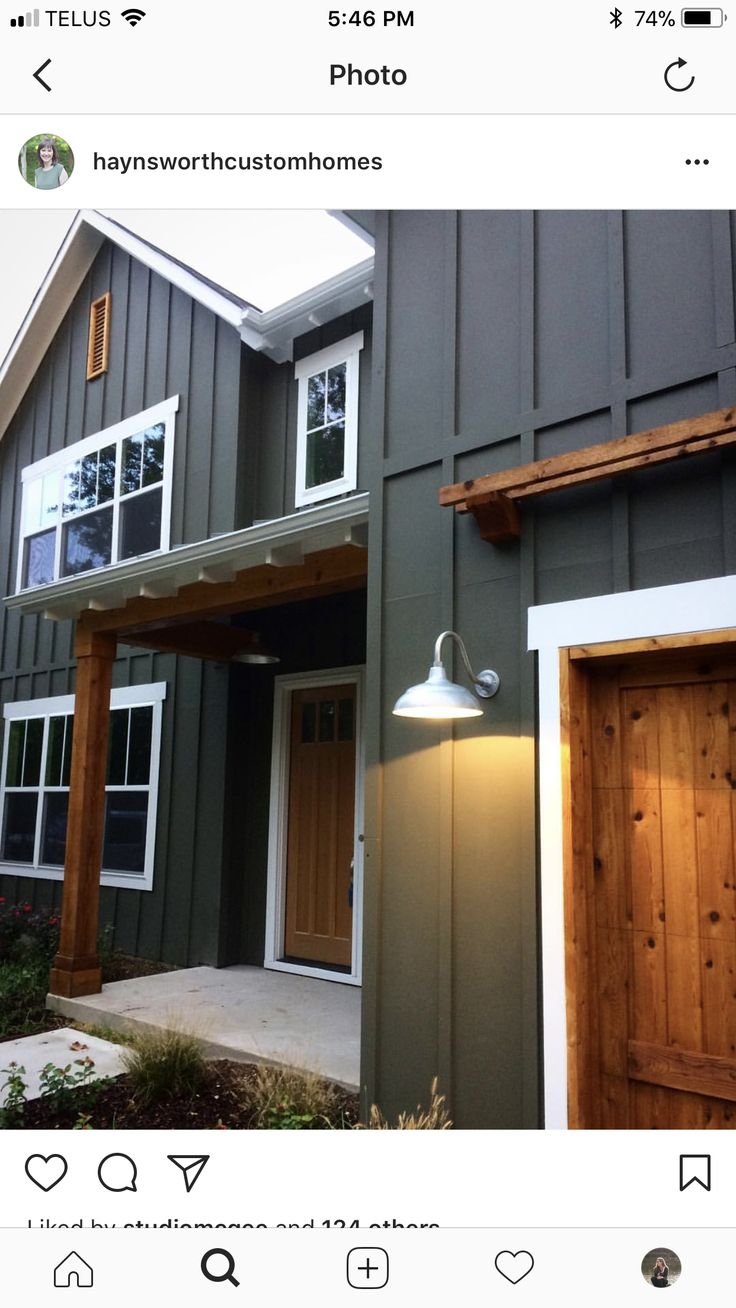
(99, 502)
(327, 422)
(34, 786)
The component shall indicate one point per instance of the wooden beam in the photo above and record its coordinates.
(322, 573)
(594, 462)
(199, 640)
(76, 969)
(682, 1069)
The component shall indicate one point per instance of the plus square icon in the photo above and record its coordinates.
(367, 1269)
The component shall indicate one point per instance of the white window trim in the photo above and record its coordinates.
(123, 697)
(348, 352)
(277, 835)
(164, 412)
(629, 615)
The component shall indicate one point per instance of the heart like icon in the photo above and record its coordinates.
(46, 1172)
(514, 1266)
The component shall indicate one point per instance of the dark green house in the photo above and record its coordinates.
(517, 427)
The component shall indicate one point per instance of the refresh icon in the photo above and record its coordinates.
(678, 63)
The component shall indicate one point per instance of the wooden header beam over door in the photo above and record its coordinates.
(494, 500)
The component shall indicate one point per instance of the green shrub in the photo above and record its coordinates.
(165, 1065)
(23, 988)
(28, 934)
(284, 1099)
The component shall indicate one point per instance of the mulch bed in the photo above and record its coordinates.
(222, 1104)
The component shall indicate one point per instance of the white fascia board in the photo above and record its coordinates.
(273, 332)
(56, 292)
(322, 527)
(168, 269)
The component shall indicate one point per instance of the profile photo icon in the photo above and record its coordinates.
(661, 1268)
(46, 162)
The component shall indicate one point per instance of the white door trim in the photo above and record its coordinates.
(631, 615)
(277, 831)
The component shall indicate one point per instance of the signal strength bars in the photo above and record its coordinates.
(27, 20)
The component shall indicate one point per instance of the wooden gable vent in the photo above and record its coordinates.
(98, 346)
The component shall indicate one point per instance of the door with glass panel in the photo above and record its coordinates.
(321, 827)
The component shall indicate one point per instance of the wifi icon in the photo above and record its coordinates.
(133, 16)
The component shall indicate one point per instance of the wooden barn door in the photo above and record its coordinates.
(321, 826)
(658, 826)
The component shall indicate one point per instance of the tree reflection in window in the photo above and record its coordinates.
(326, 426)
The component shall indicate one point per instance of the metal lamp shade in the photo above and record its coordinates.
(437, 697)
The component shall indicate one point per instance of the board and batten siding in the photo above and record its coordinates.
(162, 343)
(271, 398)
(500, 338)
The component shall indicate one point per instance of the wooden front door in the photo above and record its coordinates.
(656, 826)
(321, 826)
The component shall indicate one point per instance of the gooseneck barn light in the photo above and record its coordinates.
(438, 697)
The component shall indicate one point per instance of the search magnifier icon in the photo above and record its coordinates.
(219, 1272)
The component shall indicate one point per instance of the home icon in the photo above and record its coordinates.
(73, 1270)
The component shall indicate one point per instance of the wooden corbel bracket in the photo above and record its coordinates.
(494, 500)
(498, 517)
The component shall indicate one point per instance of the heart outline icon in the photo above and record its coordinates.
(44, 1160)
(511, 1275)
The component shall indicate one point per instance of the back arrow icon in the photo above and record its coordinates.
(679, 63)
(38, 77)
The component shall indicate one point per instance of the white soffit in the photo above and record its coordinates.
(280, 542)
(271, 333)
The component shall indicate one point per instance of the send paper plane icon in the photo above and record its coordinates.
(694, 1167)
(191, 1166)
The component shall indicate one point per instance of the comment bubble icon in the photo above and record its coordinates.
(118, 1172)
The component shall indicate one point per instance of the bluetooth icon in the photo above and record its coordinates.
(616, 18)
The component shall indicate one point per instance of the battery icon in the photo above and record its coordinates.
(702, 18)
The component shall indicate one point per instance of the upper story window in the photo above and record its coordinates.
(101, 501)
(327, 422)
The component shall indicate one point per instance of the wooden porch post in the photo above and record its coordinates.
(76, 969)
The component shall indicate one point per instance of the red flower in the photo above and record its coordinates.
(27, 908)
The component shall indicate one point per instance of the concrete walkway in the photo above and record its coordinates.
(61, 1048)
(245, 1013)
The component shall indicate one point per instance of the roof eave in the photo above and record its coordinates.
(276, 542)
(274, 331)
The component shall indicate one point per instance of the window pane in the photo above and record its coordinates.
(32, 499)
(345, 720)
(19, 828)
(106, 475)
(66, 767)
(16, 741)
(327, 720)
(130, 479)
(53, 842)
(117, 747)
(139, 750)
(140, 525)
(309, 723)
(55, 751)
(32, 758)
(316, 401)
(325, 455)
(40, 551)
(71, 488)
(153, 455)
(88, 482)
(87, 543)
(336, 392)
(125, 831)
